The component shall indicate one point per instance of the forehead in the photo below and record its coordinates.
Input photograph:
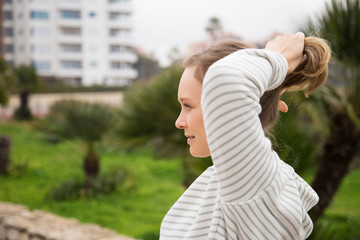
(189, 86)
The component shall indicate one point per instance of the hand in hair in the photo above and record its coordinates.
(291, 46)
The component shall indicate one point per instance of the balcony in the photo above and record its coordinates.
(69, 22)
(69, 73)
(70, 68)
(121, 40)
(74, 56)
(69, 18)
(69, 38)
(69, 4)
(120, 23)
(127, 73)
(123, 6)
(128, 57)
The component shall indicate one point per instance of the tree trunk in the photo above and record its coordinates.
(91, 163)
(5, 144)
(338, 152)
(23, 112)
(24, 100)
(91, 167)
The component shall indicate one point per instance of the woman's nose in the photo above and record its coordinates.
(180, 122)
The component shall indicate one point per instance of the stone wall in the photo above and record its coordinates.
(39, 104)
(19, 223)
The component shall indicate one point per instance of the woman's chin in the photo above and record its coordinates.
(199, 154)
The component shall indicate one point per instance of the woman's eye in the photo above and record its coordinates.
(187, 105)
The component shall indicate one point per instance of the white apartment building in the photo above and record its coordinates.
(81, 42)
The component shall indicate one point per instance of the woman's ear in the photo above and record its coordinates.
(283, 107)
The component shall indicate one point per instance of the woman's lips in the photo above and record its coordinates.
(190, 139)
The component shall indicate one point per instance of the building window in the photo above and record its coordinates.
(38, 1)
(116, 1)
(113, 15)
(71, 31)
(41, 65)
(92, 14)
(40, 31)
(120, 65)
(69, 1)
(118, 32)
(72, 48)
(71, 64)
(9, 32)
(118, 15)
(114, 49)
(8, 1)
(9, 48)
(68, 14)
(119, 49)
(39, 15)
(42, 48)
(93, 64)
(8, 15)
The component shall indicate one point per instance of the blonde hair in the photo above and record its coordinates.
(308, 76)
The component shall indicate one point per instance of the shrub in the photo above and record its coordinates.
(118, 179)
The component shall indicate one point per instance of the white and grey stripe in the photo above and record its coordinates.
(249, 193)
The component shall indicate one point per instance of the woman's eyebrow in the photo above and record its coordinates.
(183, 99)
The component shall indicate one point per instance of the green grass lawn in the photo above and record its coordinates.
(133, 213)
(136, 213)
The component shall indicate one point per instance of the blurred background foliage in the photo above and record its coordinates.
(147, 118)
(339, 104)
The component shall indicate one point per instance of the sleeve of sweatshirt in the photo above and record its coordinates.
(241, 153)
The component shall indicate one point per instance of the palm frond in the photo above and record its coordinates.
(315, 108)
(149, 112)
(70, 119)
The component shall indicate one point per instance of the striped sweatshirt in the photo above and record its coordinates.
(249, 192)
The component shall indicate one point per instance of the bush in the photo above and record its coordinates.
(118, 179)
(23, 114)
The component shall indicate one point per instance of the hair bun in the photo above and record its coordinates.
(313, 70)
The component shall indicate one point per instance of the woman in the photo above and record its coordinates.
(230, 96)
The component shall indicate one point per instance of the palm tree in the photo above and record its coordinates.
(214, 28)
(340, 25)
(86, 122)
(28, 81)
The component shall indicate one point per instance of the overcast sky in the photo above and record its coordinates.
(160, 25)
